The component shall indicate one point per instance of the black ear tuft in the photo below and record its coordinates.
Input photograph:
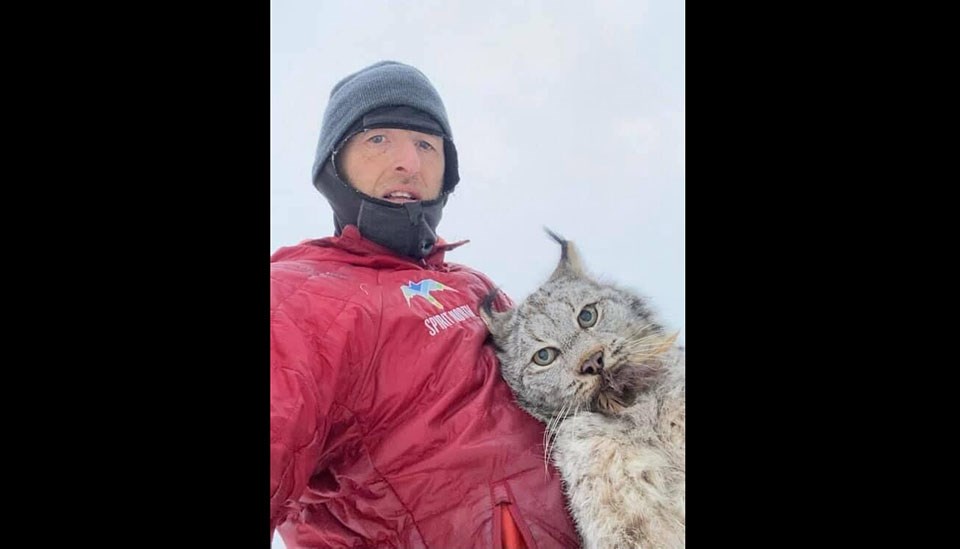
(560, 240)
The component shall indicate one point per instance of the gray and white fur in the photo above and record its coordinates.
(592, 362)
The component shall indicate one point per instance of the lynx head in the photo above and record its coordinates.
(577, 344)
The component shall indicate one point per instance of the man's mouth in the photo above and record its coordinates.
(400, 197)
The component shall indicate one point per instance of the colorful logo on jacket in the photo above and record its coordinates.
(423, 289)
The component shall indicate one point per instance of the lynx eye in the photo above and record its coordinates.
(588, 316)
(545, 356)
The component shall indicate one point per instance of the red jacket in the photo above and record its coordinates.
(389, 423)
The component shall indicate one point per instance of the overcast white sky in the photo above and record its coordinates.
(566, 114)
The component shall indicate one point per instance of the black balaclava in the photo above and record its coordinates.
(384, 95)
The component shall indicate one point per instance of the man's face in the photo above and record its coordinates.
(395, 165)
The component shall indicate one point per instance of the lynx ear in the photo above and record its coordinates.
(666, 343)
(570, 264)
(496, 322)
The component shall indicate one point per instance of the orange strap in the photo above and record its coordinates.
(510, 537)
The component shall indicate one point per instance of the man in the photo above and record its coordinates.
(389, 424)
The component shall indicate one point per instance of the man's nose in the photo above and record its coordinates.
(406, 157)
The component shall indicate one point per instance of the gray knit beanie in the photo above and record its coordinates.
(383, 84)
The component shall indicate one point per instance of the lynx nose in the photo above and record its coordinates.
(593, 365)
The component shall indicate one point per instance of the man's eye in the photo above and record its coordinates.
(377, 139)
(426, 146)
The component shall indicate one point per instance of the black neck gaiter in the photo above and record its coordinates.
(408, 229)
